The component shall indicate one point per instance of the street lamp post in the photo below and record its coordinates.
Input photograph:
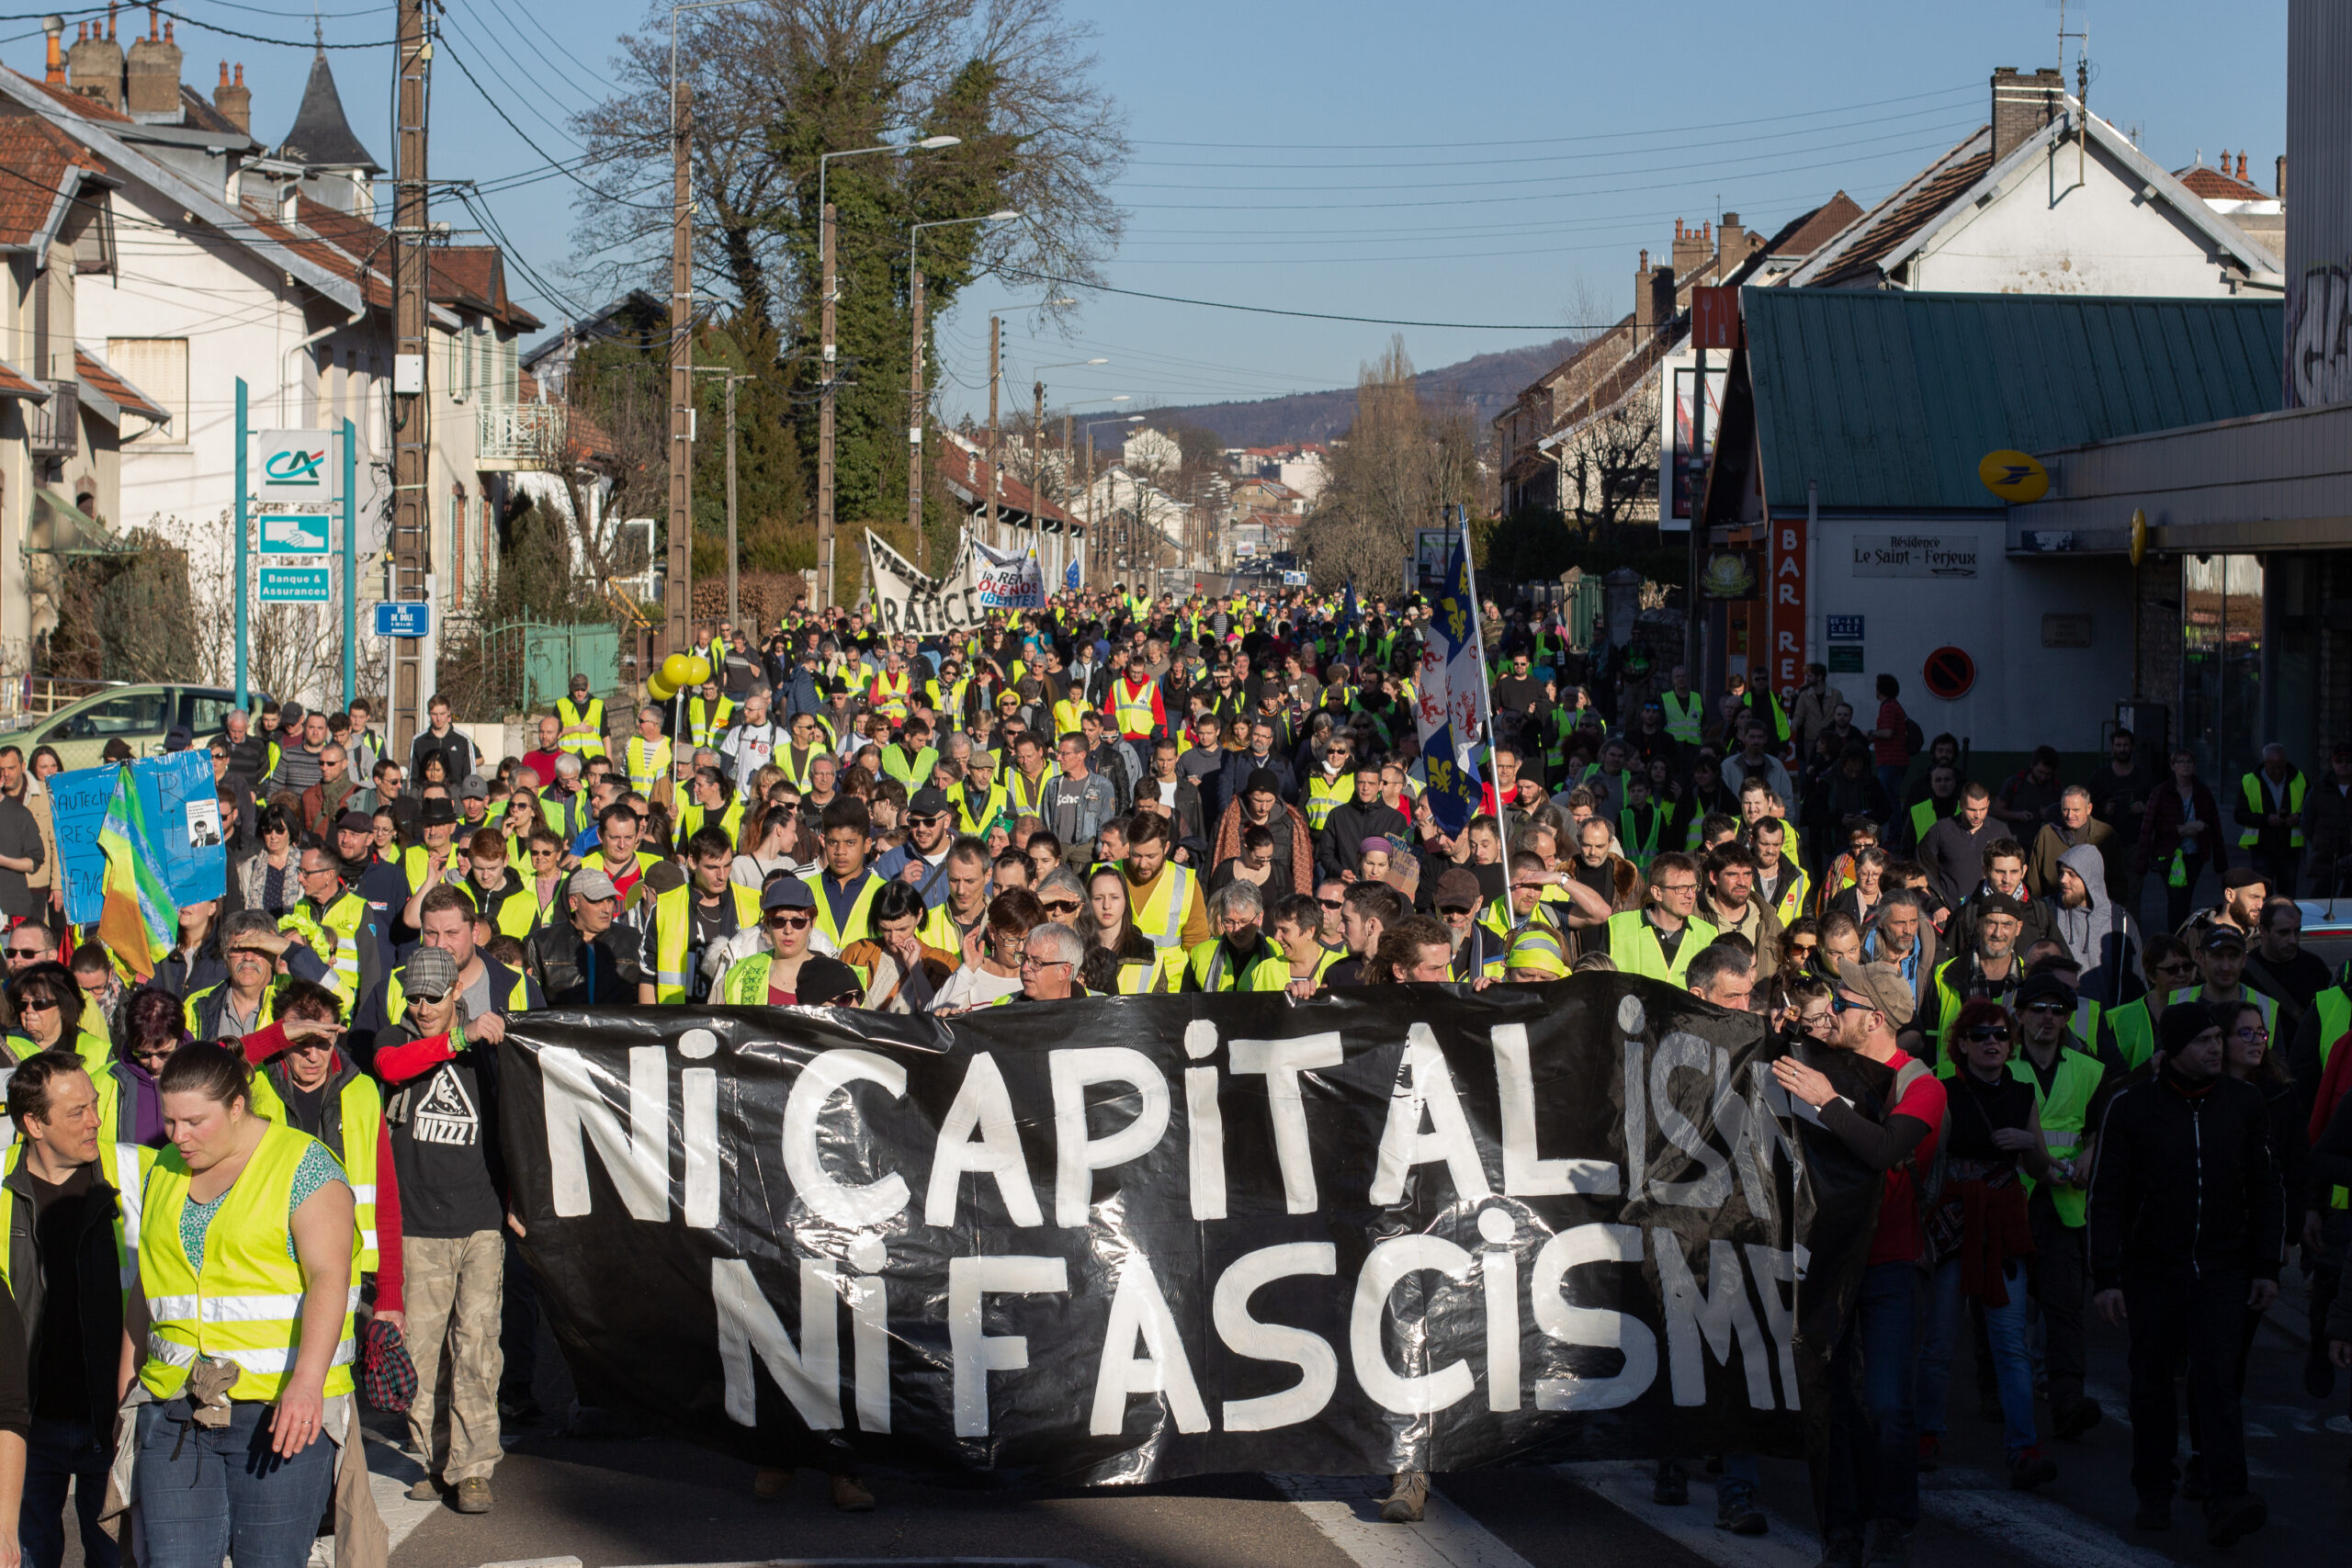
(829, 356)
(1100, 548)
(914, 376)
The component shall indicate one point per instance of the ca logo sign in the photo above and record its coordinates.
(294, 468)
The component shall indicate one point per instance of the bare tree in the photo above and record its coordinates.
(1609, 466)
(1399, 466)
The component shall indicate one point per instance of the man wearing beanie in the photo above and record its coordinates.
(2187, 1229)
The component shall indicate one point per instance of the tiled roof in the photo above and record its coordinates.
(1808, 232)
(321, 136)
(198, 113)
(2212, 185)
(80, 103)
(34, 157)
(97, 372)
(14, 383)
(967, 475)
(1912, 207)
(1890, 399)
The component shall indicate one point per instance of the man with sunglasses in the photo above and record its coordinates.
(67, 1201)
(1893, 1120)
(334, 920)
(923, 859)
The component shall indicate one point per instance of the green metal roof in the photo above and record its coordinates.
(1891, 399)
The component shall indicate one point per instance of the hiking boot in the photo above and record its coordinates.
(1406, 1501)
(425, 1489)
(1672, 1488)
(850, 1494)
(2029, 1469)
(2077, 1418)
(1892, 1546)
(473, 1494)
(1841, 1552)
(2154, 1514)
(2192, 1479)
(1931, 1451)
(2229, 1522)
(1735, 1510)
(770, 1483)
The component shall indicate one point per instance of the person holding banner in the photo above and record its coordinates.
(789, 973)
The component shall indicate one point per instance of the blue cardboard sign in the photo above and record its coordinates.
(78, 810)
(184, 817)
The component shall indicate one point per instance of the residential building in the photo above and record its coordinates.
(237, 261)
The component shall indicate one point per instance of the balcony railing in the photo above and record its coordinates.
(53, 429)
(518, 436)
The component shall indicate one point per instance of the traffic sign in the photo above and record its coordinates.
(297, 533)
(296, 465)
(395, 618)
(1950, 672)
(296, 585)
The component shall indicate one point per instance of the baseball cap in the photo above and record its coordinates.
(1457, 889)
(788, 893)
(929, 801)
(356, 821)
(179, 739)
(2044, 987)
(1885, 986)
(1999, 903)
(590, 882)
(432, 972)
(2220, 936)
(475, 787)
(291, 714)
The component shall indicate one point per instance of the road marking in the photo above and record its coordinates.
(2037, 1529)
(1627, 1482)
(1346, 1508)
(390, 1473)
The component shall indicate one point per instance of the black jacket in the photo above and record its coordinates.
(2186, 1180)
(100, 1277)
(1339, 847)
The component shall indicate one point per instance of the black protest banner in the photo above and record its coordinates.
(1122, 1239)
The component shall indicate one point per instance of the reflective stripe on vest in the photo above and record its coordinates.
(2257, 801)
(885, 697)
(704, 720)
(648, 762)
(592, 718)
(1160, 917)
(2064, 1108)
(1324, 797)
(1684, 723)
(860, 923)
(1131, 706)
(359, 1126)
(246, 1304)
(344, 918)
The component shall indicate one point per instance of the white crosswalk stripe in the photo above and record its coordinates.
(1627, 1482)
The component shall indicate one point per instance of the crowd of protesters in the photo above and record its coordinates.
(2075, 1118)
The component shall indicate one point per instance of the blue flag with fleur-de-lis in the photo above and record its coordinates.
(1450, 711)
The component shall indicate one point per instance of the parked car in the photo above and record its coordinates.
(141, 717)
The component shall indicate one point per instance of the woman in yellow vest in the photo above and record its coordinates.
(242, 1301)
(1109, 924)
(49, 1011)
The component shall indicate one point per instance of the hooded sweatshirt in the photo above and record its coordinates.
(2104, 939)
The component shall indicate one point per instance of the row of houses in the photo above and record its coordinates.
(2041, 286)
(159, 252)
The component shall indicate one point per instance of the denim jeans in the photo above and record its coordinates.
(57, 1453)
(1873, 1468)
(2004, 1331)
(206, 1494)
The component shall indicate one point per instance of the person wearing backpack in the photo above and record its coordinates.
(1873, 1452)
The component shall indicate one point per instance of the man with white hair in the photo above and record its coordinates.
(1049, 964)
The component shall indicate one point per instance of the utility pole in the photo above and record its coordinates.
(915, 429)
(678, 591)
(1037, 474)
(412, 408)
(825, 423)
(1093, 538)
(734, 597)
(995, 379)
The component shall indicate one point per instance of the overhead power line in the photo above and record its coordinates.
(1008, 270)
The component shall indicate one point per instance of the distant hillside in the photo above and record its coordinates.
(1488, 382)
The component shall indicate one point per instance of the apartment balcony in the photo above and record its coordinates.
(515, 437)
(53, 429)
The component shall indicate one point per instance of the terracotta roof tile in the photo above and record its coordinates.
(34, 157)
(107, 380)
(2212, 185)
(1910, 213)
(968, 476)
(14, 383)
(80, 103)
(1808, 232)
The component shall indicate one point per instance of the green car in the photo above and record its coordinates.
(141, 717)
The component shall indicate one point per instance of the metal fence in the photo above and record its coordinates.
(527, 664)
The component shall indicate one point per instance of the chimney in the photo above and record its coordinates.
(234, 99)
(152, 81)
(1662, 294)
(2283, 178)
(1731, 246)
(55, 28)
(95, 66)
(1689, 250)
(2023, 105)
(2241, 163)
(1644, 308)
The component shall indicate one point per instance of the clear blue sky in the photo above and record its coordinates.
(1387, 158)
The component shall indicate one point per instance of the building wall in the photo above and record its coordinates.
(2025, 694)
(2052, 231)
(2319, 226)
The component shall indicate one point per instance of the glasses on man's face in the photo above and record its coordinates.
(1030, 961)
(27, 954)
(2049, 1010)
(428, 999)
(1840, 1002)
(1332, 903)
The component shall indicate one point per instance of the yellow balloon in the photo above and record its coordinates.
(678, 670)
(697, 669)
(660, 690)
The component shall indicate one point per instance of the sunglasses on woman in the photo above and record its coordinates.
(1060, 906)
(783, 920)
(1988, 1032)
